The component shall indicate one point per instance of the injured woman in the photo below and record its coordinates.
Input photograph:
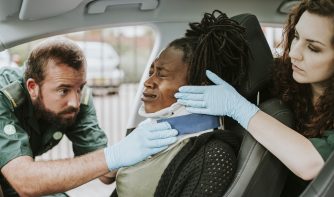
(203, 160)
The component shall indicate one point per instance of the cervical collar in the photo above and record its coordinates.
(181, 120)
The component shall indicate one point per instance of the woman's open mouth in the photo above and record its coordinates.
(146, 97)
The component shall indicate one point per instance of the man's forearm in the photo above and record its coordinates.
(31, 178)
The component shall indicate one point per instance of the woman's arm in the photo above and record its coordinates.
(293, 149)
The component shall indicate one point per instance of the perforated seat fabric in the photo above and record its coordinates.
(323, 184)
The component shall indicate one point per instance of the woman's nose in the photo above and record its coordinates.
(149, 83)
(295, 51)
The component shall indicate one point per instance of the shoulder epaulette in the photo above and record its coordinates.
(85, 95)
(14, 92)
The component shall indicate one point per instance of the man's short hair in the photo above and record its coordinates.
(59, 49)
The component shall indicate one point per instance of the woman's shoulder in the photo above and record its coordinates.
(221, 147)
(204, 166)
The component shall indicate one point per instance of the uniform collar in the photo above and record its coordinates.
(31, 117)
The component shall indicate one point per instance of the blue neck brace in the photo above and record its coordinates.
(192, 123)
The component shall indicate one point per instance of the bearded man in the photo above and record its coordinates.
(49, 100)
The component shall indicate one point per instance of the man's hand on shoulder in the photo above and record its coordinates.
(109, 177)
(144, 141)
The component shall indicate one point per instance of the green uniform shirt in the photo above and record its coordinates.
(20, 132)
(325, 144)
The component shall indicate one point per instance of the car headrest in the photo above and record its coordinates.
(260, 60)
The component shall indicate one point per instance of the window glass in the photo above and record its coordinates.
(274, 37)
(116, 59)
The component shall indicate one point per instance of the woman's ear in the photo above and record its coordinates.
(33, 88)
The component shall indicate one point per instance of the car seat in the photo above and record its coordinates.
(259, 173)
(323, 184)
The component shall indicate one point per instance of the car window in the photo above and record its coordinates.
(116, 59)
(11, 60)
(274, 38)
(4, 58)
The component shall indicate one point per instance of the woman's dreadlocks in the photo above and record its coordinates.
(218, 44)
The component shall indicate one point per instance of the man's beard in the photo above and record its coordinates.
(51, 118)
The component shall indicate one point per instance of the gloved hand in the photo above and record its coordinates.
(145, 140)
(220, 99)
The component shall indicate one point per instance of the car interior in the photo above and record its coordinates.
(259, 173)
(323, 185)
(254, 161)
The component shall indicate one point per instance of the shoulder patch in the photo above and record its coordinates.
(85, 95)
(14, 92)
(9, 129)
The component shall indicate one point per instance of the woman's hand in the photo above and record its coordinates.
(220, 99)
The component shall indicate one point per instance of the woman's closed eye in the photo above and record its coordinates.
(158, 73)
(161, 74)
(313, 48)
(150, 73)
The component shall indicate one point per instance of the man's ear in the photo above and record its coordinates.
(33, 88)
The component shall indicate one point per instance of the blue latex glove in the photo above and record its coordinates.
(145, 140)
(220, 99)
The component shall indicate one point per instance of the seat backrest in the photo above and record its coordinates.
(255, 163)
(323, 184)
(260, 60)
(259, 173)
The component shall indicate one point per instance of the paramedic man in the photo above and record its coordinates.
(51, 100)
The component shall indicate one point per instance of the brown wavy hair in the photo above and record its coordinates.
(312, 120)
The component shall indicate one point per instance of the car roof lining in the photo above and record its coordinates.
(31, 9)
(14, 31)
